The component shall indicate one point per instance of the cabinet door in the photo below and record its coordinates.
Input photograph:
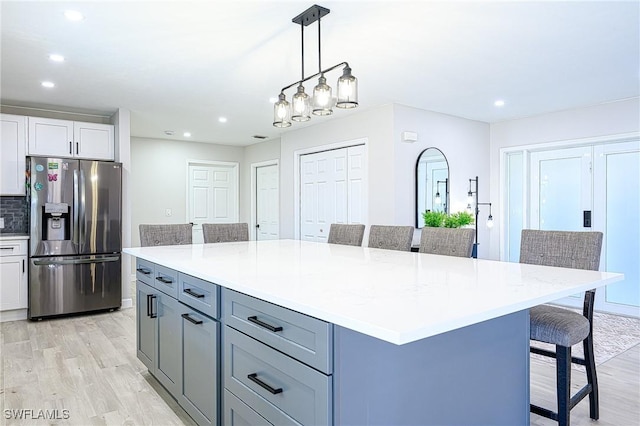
(168, 365)
(200, 373)
(146, 304)
(93, 141)
(50, 137)
(13, 283)
(13, 147)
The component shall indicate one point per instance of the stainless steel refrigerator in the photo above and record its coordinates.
(75, 242)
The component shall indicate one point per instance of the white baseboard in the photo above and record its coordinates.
(126, 304)
(13, 315)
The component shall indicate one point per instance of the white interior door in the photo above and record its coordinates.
(267, 203)
(213, 195)
(333, 190)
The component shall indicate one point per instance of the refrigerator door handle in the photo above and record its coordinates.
(82, 219)
(76, 261)
(76, 213)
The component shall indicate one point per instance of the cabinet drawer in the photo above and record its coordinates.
(237, 413)
(305, 338)
(166, 280)
(13, 248)
(279, 388)
(145, 271)
(199, 294)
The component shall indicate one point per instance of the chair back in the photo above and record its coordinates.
(391, 237)
(565, 249)
(165, 235)
(349, 235)
(225, 232)
(447, 241)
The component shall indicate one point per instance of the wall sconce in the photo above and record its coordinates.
(302, 105)
(438, 198)
(472, 201)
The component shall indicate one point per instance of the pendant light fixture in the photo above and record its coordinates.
(472, 203)
(322, 102)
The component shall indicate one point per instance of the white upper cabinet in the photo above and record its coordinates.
(13, 147)
(62, 138)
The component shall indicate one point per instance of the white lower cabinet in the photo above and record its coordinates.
(13, 276)
(177, 343)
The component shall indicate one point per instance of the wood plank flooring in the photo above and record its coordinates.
(88, 366)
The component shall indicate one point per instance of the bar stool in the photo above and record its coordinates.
(165, 235)
(225, 232)
(391, 237)
(447, 241)
(349, 235)
(562, 327)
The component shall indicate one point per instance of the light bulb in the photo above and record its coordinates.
(469, 199)
(469, 208)
(490, 222)
(322, 98)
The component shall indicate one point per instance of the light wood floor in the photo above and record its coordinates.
(88, 366)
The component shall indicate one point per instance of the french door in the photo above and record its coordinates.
(594, 188)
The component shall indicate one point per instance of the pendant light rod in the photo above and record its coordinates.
(302, 44)
(319, 50)
(314, 75)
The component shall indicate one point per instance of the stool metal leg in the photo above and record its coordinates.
(563, 377)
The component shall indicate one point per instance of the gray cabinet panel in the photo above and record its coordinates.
(200, 360)
(145, 271)
(237, 413)
(305, 338)
(199, 294)
(279, 388)
(166, 280)
(168, 366)
(145, 325)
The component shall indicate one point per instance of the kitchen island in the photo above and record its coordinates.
(315, 333)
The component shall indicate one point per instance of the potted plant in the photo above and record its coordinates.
(434, 219)
(441, 219)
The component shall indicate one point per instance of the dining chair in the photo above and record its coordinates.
(225, 232)
(349, 235)
(562, 327)
(447, 241)
(391, 237)
(165, 235)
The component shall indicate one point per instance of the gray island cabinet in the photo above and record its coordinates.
(297, 333)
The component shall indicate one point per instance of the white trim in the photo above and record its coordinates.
(13, 315)
(569, 143)
(296, 173)
(236, 169)
(253, 207)
(127, 303)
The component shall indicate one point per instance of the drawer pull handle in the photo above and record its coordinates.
(6, 248)
(254, 378)
(192, 293)
(164, 280)
(254, 319)
(144, 271)
(150, 312)
(191, 320)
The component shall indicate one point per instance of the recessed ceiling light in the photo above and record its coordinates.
(56, 58)
(186, 134)
(222, 119)
(499, 103)
(48, 84)
(73, 15)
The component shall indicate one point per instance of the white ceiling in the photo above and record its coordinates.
(179, 65)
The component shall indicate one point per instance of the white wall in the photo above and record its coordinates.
(602, 120)
(465, 144)
(159, 178)
(374, 125)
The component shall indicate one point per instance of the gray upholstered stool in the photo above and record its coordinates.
(447, 241)
(561, 327)
(350, 235)
(165, 235)
(225, 232)
(391, 237)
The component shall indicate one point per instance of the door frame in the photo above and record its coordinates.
(254, 206)
(313, 150)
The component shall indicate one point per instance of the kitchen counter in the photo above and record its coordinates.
(420, 295)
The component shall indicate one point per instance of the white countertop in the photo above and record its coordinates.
(399, 297)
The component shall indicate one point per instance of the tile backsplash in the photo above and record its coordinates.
(15, 211)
